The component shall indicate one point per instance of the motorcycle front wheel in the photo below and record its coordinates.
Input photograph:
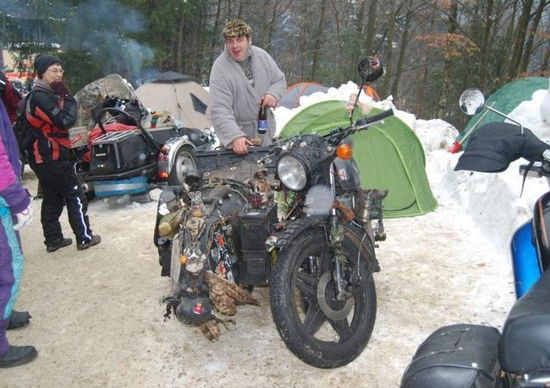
(317, 327)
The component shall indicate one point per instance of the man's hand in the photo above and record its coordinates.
(240, 145)
(269, 100)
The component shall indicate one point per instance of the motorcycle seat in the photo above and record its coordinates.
(525, 342)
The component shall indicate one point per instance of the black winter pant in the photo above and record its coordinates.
(59, 188)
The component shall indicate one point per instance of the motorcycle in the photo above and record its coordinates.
(492, 148)
(469, 355)
(291, 216)
(123, 157)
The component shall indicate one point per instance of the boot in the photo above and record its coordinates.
(64, 242)
(19, 319)
(89, 243)
(18, 355)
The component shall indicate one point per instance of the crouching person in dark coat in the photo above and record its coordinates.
(51, 111)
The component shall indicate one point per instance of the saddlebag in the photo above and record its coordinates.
(461, 355)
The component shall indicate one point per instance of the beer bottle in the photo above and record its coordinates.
(262, 119)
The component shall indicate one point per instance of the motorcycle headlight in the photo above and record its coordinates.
(292, 172)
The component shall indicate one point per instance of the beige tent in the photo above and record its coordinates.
(178, 94)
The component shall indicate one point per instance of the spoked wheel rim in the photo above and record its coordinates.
(320, 314)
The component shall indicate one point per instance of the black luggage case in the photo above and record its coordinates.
(254, 228)
(118, 152)
(461, 355)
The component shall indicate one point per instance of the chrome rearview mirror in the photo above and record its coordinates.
(471, 101)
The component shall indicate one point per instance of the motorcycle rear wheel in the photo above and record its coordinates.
(302, 294)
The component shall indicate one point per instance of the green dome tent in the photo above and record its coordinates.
(389, 156)
(505, 100)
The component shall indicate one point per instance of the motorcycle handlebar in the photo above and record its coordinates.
(337, 134)
(535, 171)
(365, 121)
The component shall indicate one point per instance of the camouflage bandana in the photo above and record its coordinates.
(235, 28)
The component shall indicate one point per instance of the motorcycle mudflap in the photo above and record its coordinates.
(461, 355)
(254, 227)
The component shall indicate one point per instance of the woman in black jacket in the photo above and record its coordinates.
(51, 111)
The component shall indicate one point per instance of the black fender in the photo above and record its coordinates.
(296, 227)
(299, 226)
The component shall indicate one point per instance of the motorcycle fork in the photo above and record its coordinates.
(336, 239)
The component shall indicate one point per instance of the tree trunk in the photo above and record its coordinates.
(180, 41)
(421, 94)
(519, 39)
(357, 38)
(371, 28)
(508, 42)
(485, 49)
(271, 25)
(215, 33)
(528, 52)
(317, 45)
(402, 51)
(260, 36)
(339, 43)
(388, 60)
(199, 53)
(446, 84)
(545, 66)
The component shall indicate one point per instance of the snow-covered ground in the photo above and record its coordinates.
(97, 319)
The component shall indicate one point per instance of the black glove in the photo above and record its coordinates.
(59, 88)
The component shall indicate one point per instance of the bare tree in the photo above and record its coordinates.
(317, 42)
